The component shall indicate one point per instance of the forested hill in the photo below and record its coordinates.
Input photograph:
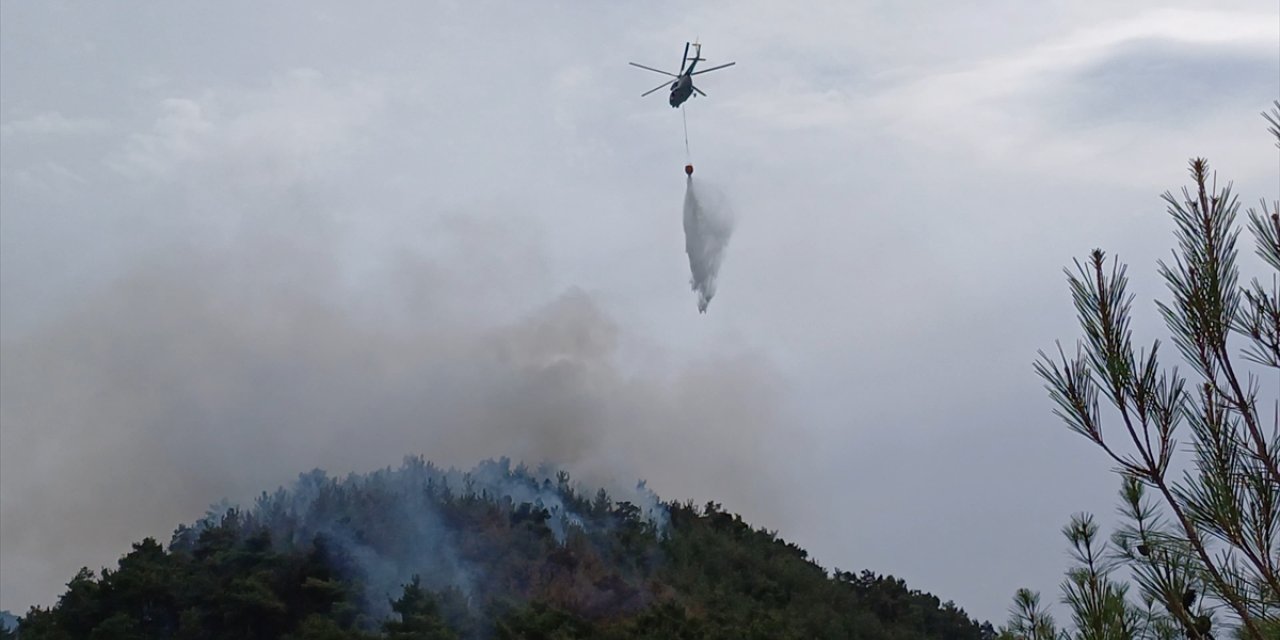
(497, 552)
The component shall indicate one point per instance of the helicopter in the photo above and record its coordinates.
(682, 88)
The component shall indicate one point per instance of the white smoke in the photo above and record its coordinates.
(708, 223)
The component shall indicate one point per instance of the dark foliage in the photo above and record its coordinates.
(484, 565)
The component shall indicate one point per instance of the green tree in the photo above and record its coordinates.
(1207, 547)
(120, 626)
(1099, 604)
(1028, 620)
(420, 617)
(320, 627)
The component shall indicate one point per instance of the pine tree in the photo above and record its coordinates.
(420, 617)
(1204, 544)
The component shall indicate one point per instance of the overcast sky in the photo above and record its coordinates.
(241, 240)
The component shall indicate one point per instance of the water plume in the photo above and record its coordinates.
(708, 223)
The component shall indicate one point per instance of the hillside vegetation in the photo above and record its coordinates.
(498, 552)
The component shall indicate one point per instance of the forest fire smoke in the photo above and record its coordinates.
(384, 527)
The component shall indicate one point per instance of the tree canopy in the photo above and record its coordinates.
(419, 552)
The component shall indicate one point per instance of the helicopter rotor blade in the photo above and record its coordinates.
(685, 59)
(665, 73)
(700, 92)
(665, 84)
(713, 68)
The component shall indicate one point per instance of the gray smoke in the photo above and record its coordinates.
(199, 375)
(388, 523)
(708, 223)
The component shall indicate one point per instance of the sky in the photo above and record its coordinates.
(242, 240)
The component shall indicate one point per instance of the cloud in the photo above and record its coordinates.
(179, 136)
(52, 123)
(49, 178)
(293, 129)
(1134, 82)
(1010, 109)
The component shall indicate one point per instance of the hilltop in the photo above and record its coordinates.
(496, 552)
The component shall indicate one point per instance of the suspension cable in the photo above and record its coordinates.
(686, 134)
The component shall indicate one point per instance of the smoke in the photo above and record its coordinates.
(335, 313)
(708, 223)
(389, 525)
(199, 375)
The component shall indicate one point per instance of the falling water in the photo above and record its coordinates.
(708, 223)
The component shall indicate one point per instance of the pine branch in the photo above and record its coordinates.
(1273, 119)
